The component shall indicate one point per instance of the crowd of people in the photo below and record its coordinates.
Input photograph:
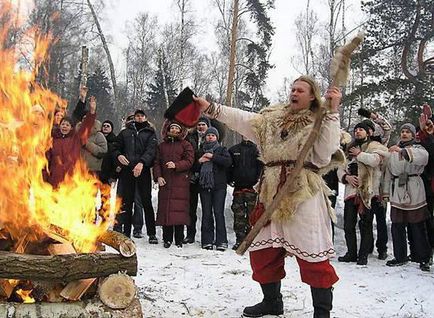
(188, 164)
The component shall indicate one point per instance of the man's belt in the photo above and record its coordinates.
(288, 163)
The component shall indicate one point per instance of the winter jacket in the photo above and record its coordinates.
(221, 162)
(136, 145)
(174, 196)
(196, 141)
(108, 165)
(65, 151)
(410, 194)
(246, 167)
(95, 148)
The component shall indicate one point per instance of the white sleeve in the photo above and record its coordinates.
(327, 142)
(238, 120)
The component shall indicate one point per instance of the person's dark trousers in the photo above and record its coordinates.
(350, 222)
(419, 245)
(137, 213)
(399, 238)
(333, 200)
(127, 193)
(430, 221)
(213, 206)
(242, 204)
(194, 199)
(322, 299)
(366, 233)
(379, 211)
(170, 230)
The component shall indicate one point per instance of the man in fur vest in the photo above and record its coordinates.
(362, 190)
(301, 224)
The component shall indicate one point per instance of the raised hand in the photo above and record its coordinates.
(83, 93)
(335, 96)
(427, 110)
(92, 104)
(202, 102)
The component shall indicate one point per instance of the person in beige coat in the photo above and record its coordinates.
(404, 188)
(95, 149)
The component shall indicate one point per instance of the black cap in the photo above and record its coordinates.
(139, 111)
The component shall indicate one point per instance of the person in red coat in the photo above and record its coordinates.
(175, 157)
(67, 143)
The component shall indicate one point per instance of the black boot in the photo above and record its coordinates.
(272, 303)
(322, 299)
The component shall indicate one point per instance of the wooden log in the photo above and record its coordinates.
(74, 290)
(124, 245)
(64, 268)
(61, 249)
(117, 291)
(6, 288)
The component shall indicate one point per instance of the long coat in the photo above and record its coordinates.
(95, 148)
(174, 196)
(65, 152)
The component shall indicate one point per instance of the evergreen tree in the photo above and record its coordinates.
(395, 61)
(160, 93)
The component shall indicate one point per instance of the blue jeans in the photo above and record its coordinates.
(213, 207)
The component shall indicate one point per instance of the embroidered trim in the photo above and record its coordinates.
(282, 241)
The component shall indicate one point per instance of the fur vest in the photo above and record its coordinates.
(281, 135)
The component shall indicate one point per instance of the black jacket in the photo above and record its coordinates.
(108, 166)
(246, 167)
(193, 139)
(221, 162)
(137, 145)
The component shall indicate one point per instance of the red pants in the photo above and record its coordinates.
(268, 266)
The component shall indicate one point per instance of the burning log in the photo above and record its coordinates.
(64, 268)
(124, 245)
(117, 291)
(74, 290)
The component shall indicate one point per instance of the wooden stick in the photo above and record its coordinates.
(64, 268)
(74, 290)
(6, 288)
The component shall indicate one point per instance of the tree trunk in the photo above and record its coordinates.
(232, 56)
(107, 51)
(64, 268)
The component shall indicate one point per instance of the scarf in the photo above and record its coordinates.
(403, 144)
(206, 177)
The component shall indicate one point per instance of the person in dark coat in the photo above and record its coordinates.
(174, 159)
(213, 183)
(67, 143)
(243, 175)
(196, 139)
(135, 151)
(108, 166)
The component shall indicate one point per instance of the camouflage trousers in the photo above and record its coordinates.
(242, 204)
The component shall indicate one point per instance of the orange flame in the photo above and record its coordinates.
(30, 208)
(25, 296)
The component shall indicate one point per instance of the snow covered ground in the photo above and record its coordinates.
(191, 282)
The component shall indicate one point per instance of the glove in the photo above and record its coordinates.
(364, 112)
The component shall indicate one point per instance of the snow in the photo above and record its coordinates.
(191, 282)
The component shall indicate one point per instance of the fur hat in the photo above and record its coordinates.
(108, 122)
(362, 125)
(213, 130)
(183, 109)
(409, 127)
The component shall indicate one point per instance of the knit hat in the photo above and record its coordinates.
(409, 127)
(175, 125)
(362, 125)
(212, 130)
(184, 109)
(108, 122)
(204, 120)
(139, 111)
